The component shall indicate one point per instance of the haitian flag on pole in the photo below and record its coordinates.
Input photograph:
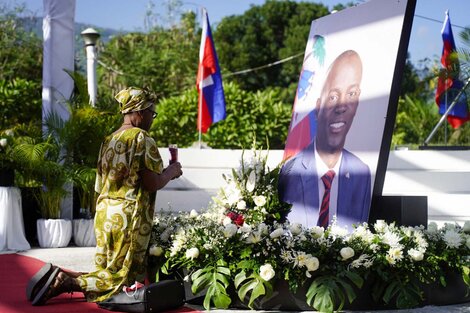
(211, 107)
(448, 84)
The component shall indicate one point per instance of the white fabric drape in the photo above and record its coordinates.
(58, 50)
(58, 56)
(12, 236)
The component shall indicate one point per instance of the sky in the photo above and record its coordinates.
(425, 40)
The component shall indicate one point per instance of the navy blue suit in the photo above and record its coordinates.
(298, 185)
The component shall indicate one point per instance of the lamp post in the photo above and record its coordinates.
(90, 37)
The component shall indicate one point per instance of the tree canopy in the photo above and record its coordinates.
(262, 35)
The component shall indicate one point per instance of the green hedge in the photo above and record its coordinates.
(251, 116)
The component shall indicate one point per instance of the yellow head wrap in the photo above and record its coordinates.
(134, 99)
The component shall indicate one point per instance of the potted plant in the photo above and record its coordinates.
(83, 227)
(41, 166)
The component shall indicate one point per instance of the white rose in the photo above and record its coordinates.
(193, 213)
(346, 253)
(192, 253)
(155, 250)
(466, 227)
(295, 229)
(317, 231)
(241, 205)
(259, 200)
(251, 182)
(230, 230)
(246, 228)
(312, 264)
(277, 233)
(226, 221)
(266, 272)
(416, 255)
(3, 142)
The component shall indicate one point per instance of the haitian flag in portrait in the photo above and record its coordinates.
(303, 123)
(449, 85)
(211, 107)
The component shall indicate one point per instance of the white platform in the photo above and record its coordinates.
(443, 176)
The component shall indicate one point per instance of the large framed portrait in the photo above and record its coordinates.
(337, 148)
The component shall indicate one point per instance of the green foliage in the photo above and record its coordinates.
(20, 102)
(253, 284)
(39, 164)
(84, 132)
(21, 52)
(417, 83)
(329, 292)
(84, 181)
(261, 115)
(176, 120)
(216, 280)
(415, 120)
(164, 61)
(408, 295)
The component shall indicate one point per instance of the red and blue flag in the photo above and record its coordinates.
(449, 84)
(209, 81)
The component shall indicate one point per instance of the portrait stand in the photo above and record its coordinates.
(344, 115)
(404, 210)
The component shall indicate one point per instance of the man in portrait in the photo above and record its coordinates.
(325, 180)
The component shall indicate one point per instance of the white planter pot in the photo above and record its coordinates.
(54, 233)
(84, 233)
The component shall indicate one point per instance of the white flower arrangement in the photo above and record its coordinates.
(244, 241)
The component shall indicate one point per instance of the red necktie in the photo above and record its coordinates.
(325, 202)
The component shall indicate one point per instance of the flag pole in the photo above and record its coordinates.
(200, 106)
(444, 116)
(446, 101)
(201, 77)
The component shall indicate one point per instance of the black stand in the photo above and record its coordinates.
(404, 210)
